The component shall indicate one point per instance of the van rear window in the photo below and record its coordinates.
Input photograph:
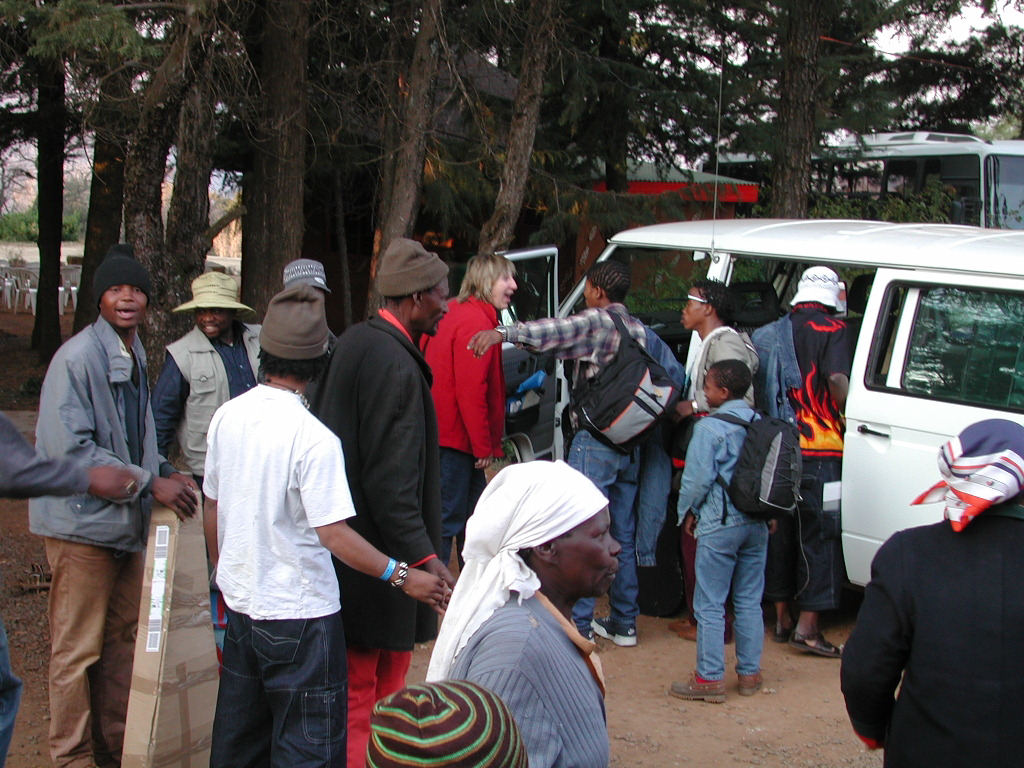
(965, 346)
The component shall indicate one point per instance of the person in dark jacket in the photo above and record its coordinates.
(376, 398)
(943, 618)
(24, 473)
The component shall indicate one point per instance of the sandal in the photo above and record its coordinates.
(816, 644)
(781, 634)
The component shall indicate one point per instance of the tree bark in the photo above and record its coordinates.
(497, 232)
(413, 113)
(273, 190)
(106, 191)
(170, 272)
(795, 138)
(51, 120)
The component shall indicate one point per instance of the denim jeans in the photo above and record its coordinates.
(616, 476)
(733, 555)
(283, 697)
(10, 695)
(461, 486)
(652, 496)
(805, 555)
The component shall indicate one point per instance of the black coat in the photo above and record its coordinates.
(946, 611)
(376, 398)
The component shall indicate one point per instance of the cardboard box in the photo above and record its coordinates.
(175, 678)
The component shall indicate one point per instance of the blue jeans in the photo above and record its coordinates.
(461, 486)
(652, 496)
(283, 698)
(731, 556)
(616, 476)
(10, 695)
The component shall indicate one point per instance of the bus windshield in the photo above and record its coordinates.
(1005, 177)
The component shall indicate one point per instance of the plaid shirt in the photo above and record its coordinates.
(589, 336)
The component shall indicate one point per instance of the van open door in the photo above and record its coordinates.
(530, 386)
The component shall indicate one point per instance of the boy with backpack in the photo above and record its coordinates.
(731, 545)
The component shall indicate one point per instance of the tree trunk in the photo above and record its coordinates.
(795, 138)
(106, 192)
(414, 111)
(273, 190)
(145, 171)
(497, 232)
(51, 120)
(339, 229)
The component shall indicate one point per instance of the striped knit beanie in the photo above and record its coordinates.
(454, 723)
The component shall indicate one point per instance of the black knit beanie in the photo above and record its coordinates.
(119, 267)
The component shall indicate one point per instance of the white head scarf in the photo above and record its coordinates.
(819, 284)
(525, 505)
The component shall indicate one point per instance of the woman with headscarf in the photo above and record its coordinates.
(943, 618)
(537, 542)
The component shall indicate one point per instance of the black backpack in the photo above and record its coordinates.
(622, 401)
(766, 483)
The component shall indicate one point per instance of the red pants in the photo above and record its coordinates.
(372, 675)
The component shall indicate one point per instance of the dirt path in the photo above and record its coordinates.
(797, 720)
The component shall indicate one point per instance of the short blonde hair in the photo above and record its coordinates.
(481, 273)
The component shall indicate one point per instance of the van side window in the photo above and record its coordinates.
(965, 347)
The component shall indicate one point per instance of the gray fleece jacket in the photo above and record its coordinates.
(82, 416)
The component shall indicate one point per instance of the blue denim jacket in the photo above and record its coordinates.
(656, 466)
(713, 451)
(779, 371)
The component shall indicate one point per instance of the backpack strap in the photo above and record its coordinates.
(728, 417)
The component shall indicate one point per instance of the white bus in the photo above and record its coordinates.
(987, 177)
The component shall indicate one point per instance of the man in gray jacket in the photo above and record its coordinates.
(94, 408)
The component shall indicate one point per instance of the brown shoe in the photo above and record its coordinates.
(750, 684)
(711, 691)
(677, 625)
(688, 632)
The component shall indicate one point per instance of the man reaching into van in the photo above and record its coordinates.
(804, 377)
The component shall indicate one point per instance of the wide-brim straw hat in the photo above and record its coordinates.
(214, 290)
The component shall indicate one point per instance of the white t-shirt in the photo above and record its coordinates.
(276, 473)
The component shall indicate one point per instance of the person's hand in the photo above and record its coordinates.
(773, 525)
(435, 567)
(113, 483)
(175, 495)
(689, 523)
(186, 479)
(683, 410)
(482, 341)
(483, 463)
(427, 588)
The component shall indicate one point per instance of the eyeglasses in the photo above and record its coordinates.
(698, 299)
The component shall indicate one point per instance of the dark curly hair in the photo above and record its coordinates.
(720, 297)
(303, 370)
(613, 277)
(734, 375)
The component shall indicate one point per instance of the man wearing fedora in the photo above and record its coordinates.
(214, 362)
(376, 398)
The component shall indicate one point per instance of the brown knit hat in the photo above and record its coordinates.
(407, 267)
(295, 326)
(452, 723)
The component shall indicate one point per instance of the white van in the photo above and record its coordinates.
(940, 344)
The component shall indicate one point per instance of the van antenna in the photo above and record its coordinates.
(718, 140)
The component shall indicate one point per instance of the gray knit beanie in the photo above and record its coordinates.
(119, 267)
(295, 326)
(407, 267)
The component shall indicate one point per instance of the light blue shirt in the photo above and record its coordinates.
(714, 450)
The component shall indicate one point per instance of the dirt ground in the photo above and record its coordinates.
(797, 720)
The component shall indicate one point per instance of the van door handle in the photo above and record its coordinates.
(865, 430)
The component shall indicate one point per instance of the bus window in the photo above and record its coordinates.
(1004, 180)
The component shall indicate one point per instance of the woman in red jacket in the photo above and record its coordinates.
(469, 391)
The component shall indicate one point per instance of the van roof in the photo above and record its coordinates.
(870, 243)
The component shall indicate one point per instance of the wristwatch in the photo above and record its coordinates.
(693, 406)
(502, 331)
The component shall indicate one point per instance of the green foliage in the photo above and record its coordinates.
(24, 227)
(934, 204)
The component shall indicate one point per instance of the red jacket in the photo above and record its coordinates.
(469, 392)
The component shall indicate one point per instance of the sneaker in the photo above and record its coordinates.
(695, 689)
(750, 684)
(619, 634)
(586, 631)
